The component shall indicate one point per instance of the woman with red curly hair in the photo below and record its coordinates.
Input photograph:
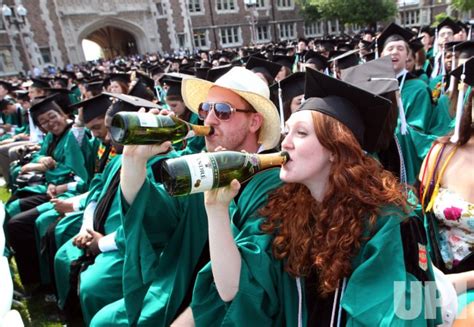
(327, 248)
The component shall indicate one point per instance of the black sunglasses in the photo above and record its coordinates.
(222, 110)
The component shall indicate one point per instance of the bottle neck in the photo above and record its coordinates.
(200, 130)
(272, 160)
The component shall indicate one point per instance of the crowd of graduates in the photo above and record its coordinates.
(378, 188)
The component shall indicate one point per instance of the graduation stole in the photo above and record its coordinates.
(54, 143)
(105, 154)
(432, 182)
(103, 206)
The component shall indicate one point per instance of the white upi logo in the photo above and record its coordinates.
(425, 298)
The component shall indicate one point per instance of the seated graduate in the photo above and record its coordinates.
(447, 185)
(327, 248)
(60, 160)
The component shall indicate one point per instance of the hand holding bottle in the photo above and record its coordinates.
(143, 153)
(220, 198)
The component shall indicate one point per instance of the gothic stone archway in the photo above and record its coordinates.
(116, 37)
(114, 41)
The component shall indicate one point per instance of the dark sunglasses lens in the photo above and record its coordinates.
(222, 111)
(203, 110)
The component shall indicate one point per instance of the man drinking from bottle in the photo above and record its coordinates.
(167, 238)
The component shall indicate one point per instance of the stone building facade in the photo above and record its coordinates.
(54, 29)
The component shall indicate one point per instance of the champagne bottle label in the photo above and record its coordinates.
(204, 172)
(147, 120)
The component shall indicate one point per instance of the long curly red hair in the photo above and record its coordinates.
(325, 236)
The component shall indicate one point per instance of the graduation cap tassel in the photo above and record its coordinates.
(436, 56)
(459, 107)
(469, 35)
(401, 109)
(376, 49)
(443, 71)
(280, 107)
(453, 65)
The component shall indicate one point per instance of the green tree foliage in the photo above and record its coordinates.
(362, 12)
(462, 5)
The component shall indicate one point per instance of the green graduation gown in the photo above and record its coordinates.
(162, 250)
(68, 252)
(268, 296)
(418, 112)
(70, 165)
(416, 99)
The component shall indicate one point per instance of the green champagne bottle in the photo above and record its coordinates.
(204, 171)
(141, 128)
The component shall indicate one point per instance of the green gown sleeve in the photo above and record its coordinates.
(149, 224)
(417, 103)
(441, 119)
(260, 300)
(69, 160)
(370, 298)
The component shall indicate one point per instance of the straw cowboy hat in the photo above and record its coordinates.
(247, 85)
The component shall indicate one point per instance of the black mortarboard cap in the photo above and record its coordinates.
(145, 79)
(364, 113)
(416, 44)
(313, 57)
(267, 68)
(173, 81)
(155, 70)
(7, 85)
(120, 77)
(141, 90)
(376, 76)
(95, 87)
(61, 97)
(286, 61)
(244, 60)
(174, 88)
(448, 22)
(347, 59)
(392, 30)
(201, 72)
(63, 81)
(468, 69)
(22, 95)
(125, 102)
(367, 44)
(328, 44)
(40, 84)
(452, 46)
(466, 49)
(43, 105)
(214, 73)
(291, 87)
(428, 30)
(369, 56)
(94, 107)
